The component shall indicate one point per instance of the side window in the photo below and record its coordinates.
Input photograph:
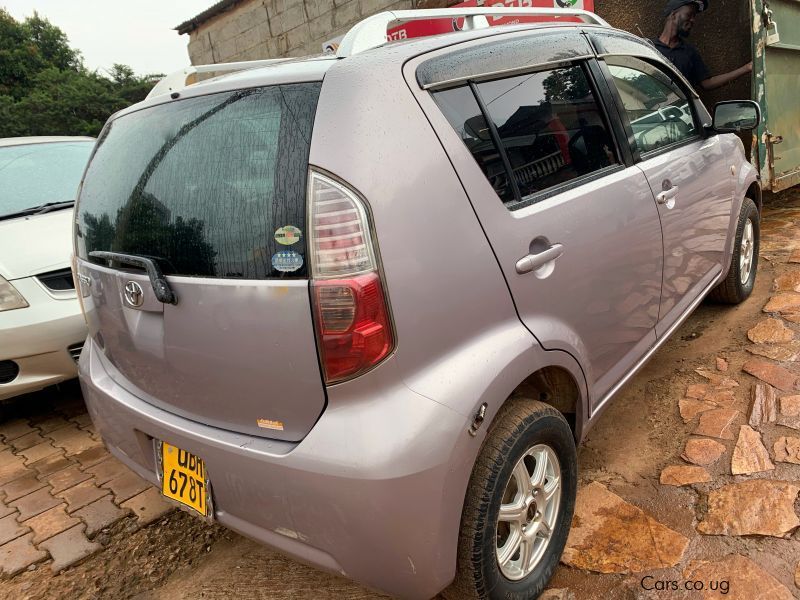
(549, 124)
(462, 111)
(659, 111)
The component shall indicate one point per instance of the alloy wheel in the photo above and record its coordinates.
(528, 512)
(746, 252)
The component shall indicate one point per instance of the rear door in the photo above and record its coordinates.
(212, 189)
(688, 173)
(574, 228)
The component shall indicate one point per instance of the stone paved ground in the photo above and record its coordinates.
(718, 508)
(60, 488)
(691, 476)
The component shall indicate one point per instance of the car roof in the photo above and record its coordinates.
(313, 68)
(42, 139)
(281, 71)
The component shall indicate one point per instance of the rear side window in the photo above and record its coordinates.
(462, 111)
(213, 186)
(550, 128)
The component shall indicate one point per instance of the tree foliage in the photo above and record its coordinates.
(46, 90)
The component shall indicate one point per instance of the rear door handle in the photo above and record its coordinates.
(667, 197)
(532, 262)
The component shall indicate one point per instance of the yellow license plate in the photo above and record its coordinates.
(184, 478)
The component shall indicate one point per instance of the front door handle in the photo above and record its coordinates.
(532, 262)
(667, 197)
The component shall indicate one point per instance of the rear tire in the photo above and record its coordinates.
(527, 438)
(738, 283)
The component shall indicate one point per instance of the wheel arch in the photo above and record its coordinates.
(557, 387)
(756, 195)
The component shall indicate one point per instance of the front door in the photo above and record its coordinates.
(689, 176)
(575, 231)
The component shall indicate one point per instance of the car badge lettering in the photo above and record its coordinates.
(134, 295)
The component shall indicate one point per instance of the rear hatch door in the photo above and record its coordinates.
(212, 190)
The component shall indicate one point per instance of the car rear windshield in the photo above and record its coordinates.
(41, 173)
(212, 186)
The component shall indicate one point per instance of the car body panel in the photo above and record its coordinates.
(241, 367)
(578, 219)
(695, 229)
(38, 338)
(20, 257)
(452, 259)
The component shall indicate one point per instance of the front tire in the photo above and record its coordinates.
(741, 277)
(519, 505)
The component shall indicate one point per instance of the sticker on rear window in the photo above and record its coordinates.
(288, 235)
(287, 261)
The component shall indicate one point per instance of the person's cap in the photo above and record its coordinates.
(674, 5)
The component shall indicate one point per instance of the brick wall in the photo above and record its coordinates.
(256, 29)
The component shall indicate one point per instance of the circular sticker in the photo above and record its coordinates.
(286, 261)
(288, 235)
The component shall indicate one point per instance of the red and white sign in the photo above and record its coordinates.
(414, 29)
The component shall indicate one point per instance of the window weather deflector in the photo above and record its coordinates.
(160, 286)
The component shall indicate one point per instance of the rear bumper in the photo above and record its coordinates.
(37, 339)
(374, 492)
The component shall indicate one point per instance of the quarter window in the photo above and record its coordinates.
(549, 124)
(462, 111)
(657, 108)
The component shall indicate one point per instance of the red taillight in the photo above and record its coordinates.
(352, 325)
(351, 314)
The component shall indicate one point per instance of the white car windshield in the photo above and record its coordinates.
(32, 175)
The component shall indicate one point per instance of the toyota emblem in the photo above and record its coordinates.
(134, 294)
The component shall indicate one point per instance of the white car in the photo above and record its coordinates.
(42, 329)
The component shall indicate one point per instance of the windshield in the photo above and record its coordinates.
(35, 174)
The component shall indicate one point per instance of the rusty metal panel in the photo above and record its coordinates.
(776, 52)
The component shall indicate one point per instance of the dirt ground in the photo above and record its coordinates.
(641, 433)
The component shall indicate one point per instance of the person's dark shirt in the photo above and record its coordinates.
(686, 59)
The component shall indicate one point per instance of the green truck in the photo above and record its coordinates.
(729, 34)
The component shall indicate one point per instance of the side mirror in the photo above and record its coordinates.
(734, 116)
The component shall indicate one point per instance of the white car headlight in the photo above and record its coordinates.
(10, 298)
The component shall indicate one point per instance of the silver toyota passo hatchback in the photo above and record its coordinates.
(362, 307)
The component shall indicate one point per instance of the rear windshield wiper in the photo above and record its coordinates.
(40, 210)
(161, 288)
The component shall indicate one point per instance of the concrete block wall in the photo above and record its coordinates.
(258, 29)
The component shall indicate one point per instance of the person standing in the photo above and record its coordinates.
(680, 16)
